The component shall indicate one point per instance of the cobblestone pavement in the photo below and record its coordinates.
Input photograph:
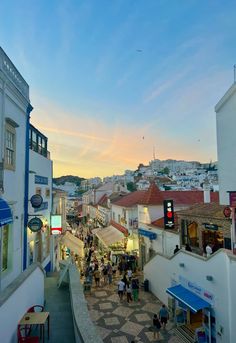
(120, 322)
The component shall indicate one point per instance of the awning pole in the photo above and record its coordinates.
(209, 325)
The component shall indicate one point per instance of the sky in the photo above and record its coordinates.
(111, 79)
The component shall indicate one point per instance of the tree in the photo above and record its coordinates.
(131, 186)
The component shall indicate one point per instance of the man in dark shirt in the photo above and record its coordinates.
(176, 249)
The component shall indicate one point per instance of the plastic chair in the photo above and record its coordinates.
(36, 308)
(22, 334)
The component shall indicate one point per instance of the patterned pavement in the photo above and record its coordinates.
(120, 322)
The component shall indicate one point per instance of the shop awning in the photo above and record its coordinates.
(191, 300)
(151, 235)
(109, 235)
(5, 213)
(73, 243)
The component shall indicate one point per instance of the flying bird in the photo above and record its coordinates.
(139, 50)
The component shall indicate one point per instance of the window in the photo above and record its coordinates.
(10, 138)
(38, 191)
(5, 247)
(119, 218)
(47, 192)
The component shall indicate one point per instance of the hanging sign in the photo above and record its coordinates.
(36, 200)
(168, 214)
(56, 225)
(35, 224)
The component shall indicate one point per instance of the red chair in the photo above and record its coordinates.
(22, 335)
(36, 308)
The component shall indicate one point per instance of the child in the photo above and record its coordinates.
(156, 326)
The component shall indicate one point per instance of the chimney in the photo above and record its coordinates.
(206, 190)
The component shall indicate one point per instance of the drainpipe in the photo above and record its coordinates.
(29, 109)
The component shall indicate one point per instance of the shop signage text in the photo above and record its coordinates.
(193, 287)
(36, 200)
(41, 180)
(56, 226)
(209, 226)
(35, 224)
(168, 214)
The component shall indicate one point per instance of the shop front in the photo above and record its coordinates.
(145, 245)
(192, 308)
(205, 224)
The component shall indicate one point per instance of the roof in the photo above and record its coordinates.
(212, 210)
(130, 199)
(153, 196)
(189, 197)
(103, 200)
(225, 97)
(119, 227)
(160, 222)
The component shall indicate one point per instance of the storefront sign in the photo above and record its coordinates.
(168, 214)
(209, 226)
(193, 287)
(232, 199)
(43, 206)
(35, 224)
(151, 235)
(36, 200)
(41, 180)
(56, 226)
(227, 212)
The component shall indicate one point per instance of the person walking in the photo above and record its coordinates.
(164, 316)
(97, 277)
(121, 289)
(176, 249)
(128, 293)
(208, 250)
(156, 326)
(129, 274)
(188, 248)
(109, 273)
(135, 289)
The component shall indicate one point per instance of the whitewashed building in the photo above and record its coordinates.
(226, 142)
(20, 287)
(40, 182)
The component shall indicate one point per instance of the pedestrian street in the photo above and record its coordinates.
(122, 322)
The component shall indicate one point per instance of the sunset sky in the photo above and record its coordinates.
(110, 79)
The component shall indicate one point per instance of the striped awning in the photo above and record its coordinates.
(73, 243)
(5, 213)
(109, 235)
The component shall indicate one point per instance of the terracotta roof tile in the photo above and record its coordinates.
(119, 227)
(153, 196)
(130, 199)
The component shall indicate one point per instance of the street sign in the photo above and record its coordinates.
(168, 214)
(36, 200)
(35, 224)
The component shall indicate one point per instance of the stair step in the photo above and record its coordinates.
(185, 333)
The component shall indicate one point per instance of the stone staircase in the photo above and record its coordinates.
(185, 334)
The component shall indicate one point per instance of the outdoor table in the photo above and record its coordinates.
(36, 318)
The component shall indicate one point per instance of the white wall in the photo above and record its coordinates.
(226, 142)
(161, 271)
(29, 293)
(13, 105)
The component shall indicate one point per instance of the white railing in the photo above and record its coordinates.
(13, 74)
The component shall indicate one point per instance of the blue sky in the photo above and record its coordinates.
(95, 96)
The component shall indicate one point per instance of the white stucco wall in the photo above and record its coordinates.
(226, 142)
(29, 293)
(13, 105)
(161, 271)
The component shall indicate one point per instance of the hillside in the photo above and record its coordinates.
(68, 178)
